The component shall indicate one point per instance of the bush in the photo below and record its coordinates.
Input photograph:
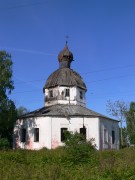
(78, 148)
(55, 164)
(4, 143)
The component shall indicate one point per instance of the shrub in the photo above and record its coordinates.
(4, 143)
(78, 148)
(49, 164)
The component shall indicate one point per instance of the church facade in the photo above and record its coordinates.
(64, 110)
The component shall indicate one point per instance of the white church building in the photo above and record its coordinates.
(64, 110)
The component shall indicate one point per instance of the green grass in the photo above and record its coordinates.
(56, 164)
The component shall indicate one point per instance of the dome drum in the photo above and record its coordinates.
(64, 95)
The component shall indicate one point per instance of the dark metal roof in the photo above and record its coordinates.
(61, 110)
(65, 77)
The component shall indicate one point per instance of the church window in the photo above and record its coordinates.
(23, 135)
(67, 93)
(36, 134)
(51, 93)
(81, 94)
(113, 136)
(63, 137)
(105, 136)
(83, 131)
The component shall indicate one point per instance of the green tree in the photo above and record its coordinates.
(22, 110)
(8, 112)
(130, 117)
(118, 109)
(6, 83)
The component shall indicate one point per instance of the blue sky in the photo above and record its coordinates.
(101, 37)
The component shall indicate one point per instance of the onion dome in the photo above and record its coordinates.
(65, 77)
(65, 57)
(65, 53)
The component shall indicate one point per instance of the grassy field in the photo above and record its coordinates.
(58, 164)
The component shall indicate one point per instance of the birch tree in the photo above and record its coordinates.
(118, 109)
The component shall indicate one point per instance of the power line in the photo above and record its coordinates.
(100, 80)
(114, 95)
(100, 70)
(103, 95)
(110, 68)
(90, 93)
(116, 77)
(114, 92)
(24, 5)
(21, 82)
(28, 51)
(26, 91)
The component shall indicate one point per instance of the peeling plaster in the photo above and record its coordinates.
(55, 143)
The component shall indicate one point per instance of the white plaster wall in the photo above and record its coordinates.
(73, 99)
(73, 125)
(50, 130)
(44, 125)
(109, 125)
